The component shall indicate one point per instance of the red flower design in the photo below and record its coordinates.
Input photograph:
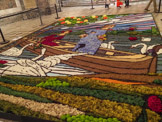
(3, 62)
(132, 38)
(81, 22)
(135, 38)
(58, 38)
(155, 104)
(62, 31)
(105, 17)
(48, 40)
(83, 16)
(62, 22)
(131, 29)
(62, 19)
(70, 31)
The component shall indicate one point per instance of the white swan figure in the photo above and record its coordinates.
(145, 48)
(25, 67)
(116, 20)
(159, 52)
(143, 39)
(108, 45)
(15, 51)
(36, 67)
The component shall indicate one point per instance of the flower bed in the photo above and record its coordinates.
(99, 99)
(122, 111)
(94, 99)
(23, 111)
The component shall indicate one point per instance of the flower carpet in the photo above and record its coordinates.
(48, 87)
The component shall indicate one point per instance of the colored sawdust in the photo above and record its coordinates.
(117, 81)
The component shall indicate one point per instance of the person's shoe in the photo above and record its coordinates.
(156, 11)
(147, 10)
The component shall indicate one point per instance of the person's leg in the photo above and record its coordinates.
(106, 6)
(128, 2)
(148, 5)
(155, 6)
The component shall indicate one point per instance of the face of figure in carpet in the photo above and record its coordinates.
(106, 27)
(93, 32)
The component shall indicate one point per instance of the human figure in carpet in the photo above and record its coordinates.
(51, 40)
(91, 41)
(154, 3)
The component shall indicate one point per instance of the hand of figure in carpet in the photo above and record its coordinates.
(83, 35)
(64, 33)
(102, 37)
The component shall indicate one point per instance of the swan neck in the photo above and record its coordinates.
(24, 47)
(144, 45)
(38, 57)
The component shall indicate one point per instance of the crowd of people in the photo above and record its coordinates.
(118, 4)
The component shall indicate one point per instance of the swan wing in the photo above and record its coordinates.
(55, 60)
(146, 39)
(36, 66)
(20, 70)
(112, 47)
(45, 64)
(11, 52)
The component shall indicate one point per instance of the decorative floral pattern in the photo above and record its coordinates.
(133, 38)
(132, 34)
(53, 109)
(3, 62)
(155, 104)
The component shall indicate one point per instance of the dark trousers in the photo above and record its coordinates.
(106, 5)
(126, 2)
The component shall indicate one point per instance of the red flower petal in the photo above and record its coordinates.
(3, 62)
(131, 29)
(155, 104)
(134, 38)
(62, 22)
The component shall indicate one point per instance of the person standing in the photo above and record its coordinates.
(126, 3)
(154, 3)
(119, 3)
(107, 3)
